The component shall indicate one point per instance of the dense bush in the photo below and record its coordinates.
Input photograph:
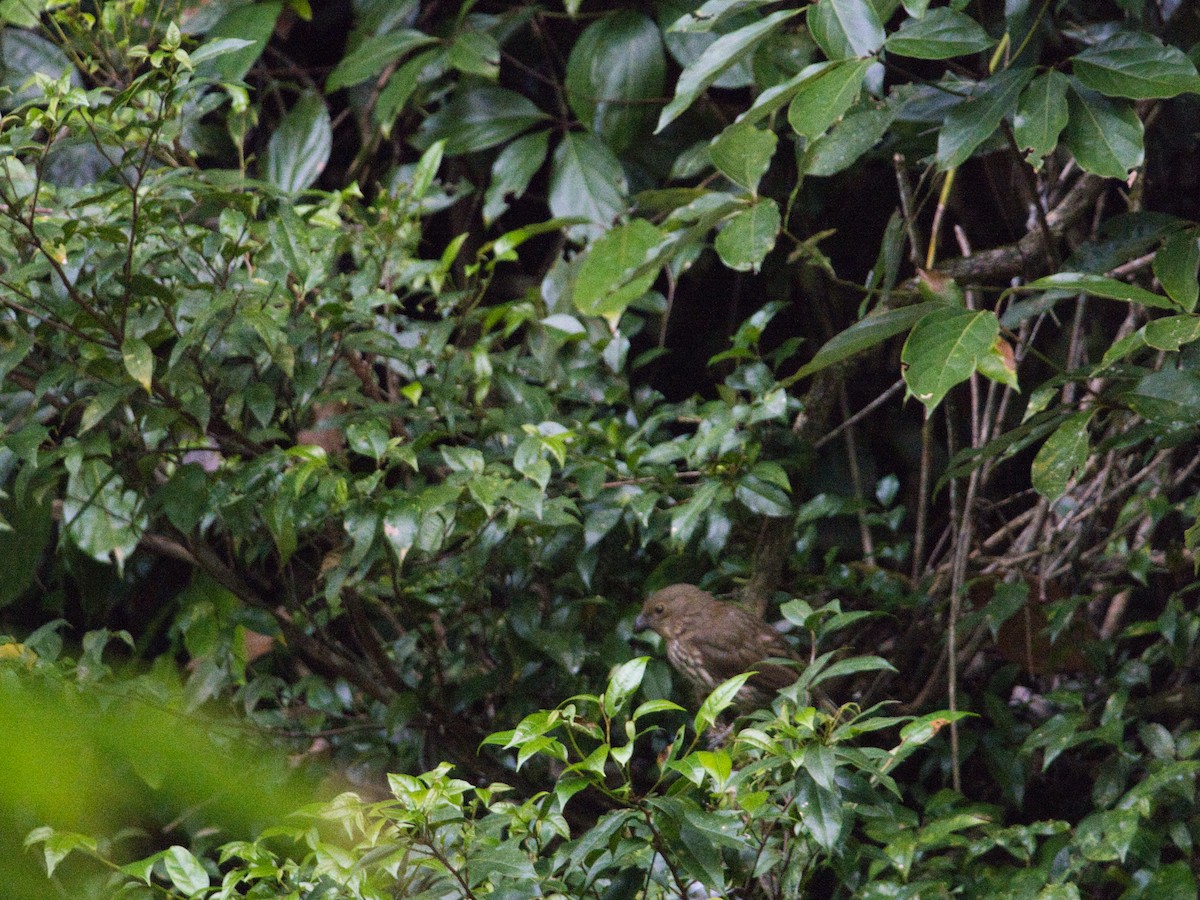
(371, 386)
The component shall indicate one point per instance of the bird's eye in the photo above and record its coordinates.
(658, 608)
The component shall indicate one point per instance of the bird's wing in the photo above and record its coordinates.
(739, 643)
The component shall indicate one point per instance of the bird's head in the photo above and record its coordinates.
(665, 611)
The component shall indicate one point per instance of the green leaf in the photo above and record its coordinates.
(944, 349)
(586, 180)
(101, 517)
(616, 71)
(1171, 332)
(625, 679)
(300, 145)
(22, 13)
(512, 171)
(743, 153)
(719, 56)
(824, 97)
(603, 286)
(1104, 136)
(373, 55)
(1099, 286)
(821, 813)
(139, 361)
(749, 236)
(762, 496)
(1062, 457)
(972, 121)
(864, 334)
(1135, 65)
(254, 22)
(720, 699)
(401, 527)
(686, 516)
(709, 13)
(1176, 264)
(843, 145)
(1169, 397)
(475, 53)
(941, 33)
(476, 117)
(844, 29)
(1041, 116)
(184, 870)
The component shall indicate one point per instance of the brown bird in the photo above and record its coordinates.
(709, 641)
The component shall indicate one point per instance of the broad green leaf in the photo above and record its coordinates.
(1171, 333)
(1176, 264)
(999, 363)
(401, 527)
(749, 236)
(1167, 397)
(941, 33)
(845, 143)
(184, 870)
(686, 516)
(616, 70)
(373, 55)
(586, 180)
(213, 49)
(1099, 286)
(944, 349)
(975, 119)
(254, 22)
(844, 29)
(625, 679)
(22, 13)
(824, 97)
(821, 813)
(763, 496)
(139, 361)
(300, 145)
(1135, 65)
(512, 171)
(101, 517)
(709, 13)
(720, 699)
(1104, 136)
(720, 55)
(475, 53)
(869, 331)
(743, 153)
(602, 285)
(478, 116)
(1041, 116)
(1062, 457)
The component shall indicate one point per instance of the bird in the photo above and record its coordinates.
(709, 641)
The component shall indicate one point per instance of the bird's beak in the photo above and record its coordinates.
(640, 623)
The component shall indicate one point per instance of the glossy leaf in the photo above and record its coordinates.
(255, 23)
(844, 144)
(974, 120)
(942, 33)
(586, 180)
(478, 116)
(616, 70)
(1168, 397)
(749, 236)
(603, 286)
(743, 154)
(1136, 65)
(300, 145)
(868, 332)
(844, 29)
(1171, 332)
(1176, 264)
(1041, 116)
(512, 171)
(1104, 136)
(139, 361)
(719, 56)
(1062, 456)
(475, 53)
(1099, 286)
(824, 97)
(373, 55)
(944, 349)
